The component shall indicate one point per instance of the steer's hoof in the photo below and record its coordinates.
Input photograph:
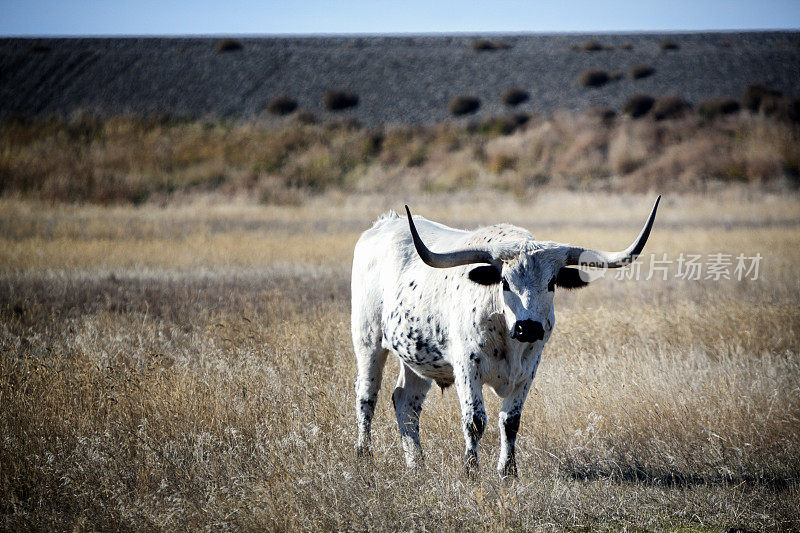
(363, 452)
(471, 468)
(509, 471)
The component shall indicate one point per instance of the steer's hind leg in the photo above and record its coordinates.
(407, 398)
(371, 360)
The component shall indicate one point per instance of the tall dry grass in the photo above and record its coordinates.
(190, 367)
(132, 160)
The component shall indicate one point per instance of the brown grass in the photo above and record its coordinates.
(134, 160)
(190, 367)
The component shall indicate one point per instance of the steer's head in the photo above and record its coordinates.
(528, 271)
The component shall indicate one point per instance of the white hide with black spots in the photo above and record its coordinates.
(449, 329)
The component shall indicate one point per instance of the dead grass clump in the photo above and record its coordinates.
(594, 78)
(714, 107)
(754, 94)
(306, 117)
(504, 125)
(281, 105)
(638, 105)
(781, 108)
(603, 113)
(487, 45)
(339, 100)
(670, 107)
(668, 45)
(515, 96)
(228, 45)
(464, 105)
(641, 71)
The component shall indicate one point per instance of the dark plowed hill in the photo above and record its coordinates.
(397, 79)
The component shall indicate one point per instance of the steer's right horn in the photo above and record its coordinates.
(587, 257)
(447, 259)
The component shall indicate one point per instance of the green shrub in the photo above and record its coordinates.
(464, 105)
(485, 45)
(228, 45)
(670, 106)
(281, 105)
(714, 107)
(338, 100)
(515, 96)
(593, 78)
(638, 105)
(641, 71)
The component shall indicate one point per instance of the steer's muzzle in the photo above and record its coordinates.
(528, 331)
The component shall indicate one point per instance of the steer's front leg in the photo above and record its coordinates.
(473, 415)
(510, 414)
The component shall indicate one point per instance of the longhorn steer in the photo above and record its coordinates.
(476, 313)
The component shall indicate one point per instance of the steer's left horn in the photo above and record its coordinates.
(595, 258)
(447, 259)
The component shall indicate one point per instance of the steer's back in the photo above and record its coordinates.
(383, 255)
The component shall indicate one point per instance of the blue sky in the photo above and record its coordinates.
(181, 17)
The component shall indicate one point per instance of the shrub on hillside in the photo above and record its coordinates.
(591, 46)
(781, 108)
(593, 78)
(281, 105)
(228, 45)
(515, 96)
(38, 48)
(485, 45)
(505, 125)
(603, 113)
(714, 107)
(641, 71)
(668, 45)
(338, 100)
(305, 117)
(755, 93)
(638, 105)
(670, 106)
(464, 105)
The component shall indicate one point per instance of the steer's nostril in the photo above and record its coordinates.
(528, 331)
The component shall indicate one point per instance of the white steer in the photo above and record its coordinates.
(476, 312)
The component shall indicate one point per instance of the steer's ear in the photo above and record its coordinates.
(570, 278)
(485, 275)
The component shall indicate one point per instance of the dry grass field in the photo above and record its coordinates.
(188, 366)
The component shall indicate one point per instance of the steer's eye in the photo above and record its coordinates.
(505, 285)
(552, 285)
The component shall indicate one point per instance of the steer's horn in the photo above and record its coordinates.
(596, 258)
(447, 259)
